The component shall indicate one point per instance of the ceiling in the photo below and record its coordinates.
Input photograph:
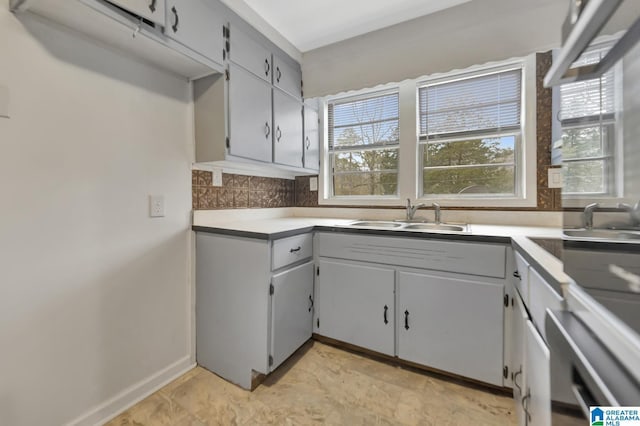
(310, 24)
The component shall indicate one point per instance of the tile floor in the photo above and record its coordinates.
(321, 384)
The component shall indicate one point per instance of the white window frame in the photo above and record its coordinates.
(616, 149)
(409, 175)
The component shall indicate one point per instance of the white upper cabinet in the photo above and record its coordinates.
(153, 10)
(249, 54)
(311, 138)
(287, 134)
(197, 25)
(249, 114)
(287, 77)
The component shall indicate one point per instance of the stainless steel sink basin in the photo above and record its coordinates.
(603, 234)
(376, 224)
(436, 227)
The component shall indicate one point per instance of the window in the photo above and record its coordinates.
(470, 135)
(588, 123)
(364, 136)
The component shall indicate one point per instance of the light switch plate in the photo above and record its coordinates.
(156, 205)
(313, 183)
(555, 177)
(216, 177)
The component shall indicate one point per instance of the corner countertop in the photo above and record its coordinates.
(282, 227)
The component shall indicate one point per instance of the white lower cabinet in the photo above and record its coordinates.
(251, 314)
(291, 311)
(355, 304)
(452, 324)
(537, 399)
(518, 377)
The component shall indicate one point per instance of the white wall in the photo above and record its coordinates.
(472, 33)
(94, 295)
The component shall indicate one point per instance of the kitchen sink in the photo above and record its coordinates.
(436, 227)
(603, 234)
(376, 224)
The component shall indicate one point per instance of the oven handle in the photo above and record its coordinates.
(570, 339)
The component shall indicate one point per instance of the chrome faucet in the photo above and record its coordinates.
(436, 212)
(634, 212)
(411, 210)
(587, 215)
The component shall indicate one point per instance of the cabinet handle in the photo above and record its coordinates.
(174, 27)
(152, 5)
(278, 133)
(515, 380)
(295, 250)
(267, 67)
(308, 142)
(267, 129)
(279, 74)
(517, 275)
(525, 407)
(386, 308)
(406, 320)
(310, 303)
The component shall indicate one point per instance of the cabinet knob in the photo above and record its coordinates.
(152, 5)
(278, 73)
(310, 303)
(176, 18)
(384, 315)
(267, 130)
(406, 320)
(308, 142)
(267, 67)
(278, 133)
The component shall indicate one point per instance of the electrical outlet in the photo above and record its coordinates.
(156, 205)
(313, 183)
(555, 178)
(216, 177)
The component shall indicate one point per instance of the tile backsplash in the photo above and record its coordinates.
(240, 191)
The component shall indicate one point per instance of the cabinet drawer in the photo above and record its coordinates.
(541, 297)
(292, 249)
(521, 277)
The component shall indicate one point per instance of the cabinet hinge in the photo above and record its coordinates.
(506, 300)
(224, 55)
(271, 289)
(505, 372)
(227, 74)
(228, 143)
(270, 360)
(228, 46)
(318, 322)
(318, 271)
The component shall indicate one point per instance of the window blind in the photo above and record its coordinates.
(363, 123)
(589, 98)
(484, 104)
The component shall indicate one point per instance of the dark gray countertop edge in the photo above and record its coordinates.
(251, 234)
(538, 267)
(385, 232)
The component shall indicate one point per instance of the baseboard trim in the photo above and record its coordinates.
(135, 393)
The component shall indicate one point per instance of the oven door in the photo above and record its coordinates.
(598, 379)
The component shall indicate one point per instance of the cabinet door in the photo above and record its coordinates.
(452, 324)
(250, 127)
(355, 304)
(250, 54)
(518, 333)
(197, 25)
(311, 139)
(537, 399)
(287, 77)
(152, 10)
(287, 132)
(291, 311)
